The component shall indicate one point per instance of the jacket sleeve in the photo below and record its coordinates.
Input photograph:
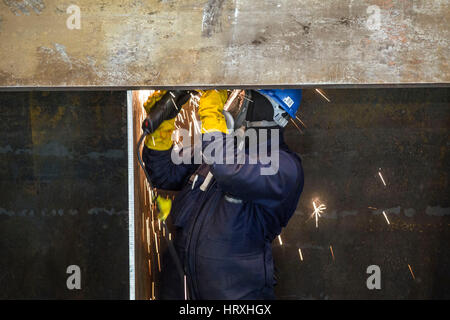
(246, 181)
(164, 174)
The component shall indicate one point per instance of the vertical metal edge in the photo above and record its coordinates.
(131, 247)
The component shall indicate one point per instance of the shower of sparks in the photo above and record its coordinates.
(156, 243)
(246, 98)
(174, 103)
(144, 94)
(194, 103)
(300, 254)
(159, 264)
(148, 236)
(412, 273)
(332, 254)
(373, 208)
(317, 211)
(153, 139)
(385, 216)
(195, 99)
(298, 128)
(230, 100)
(153, 290)
(300, 120)
(143, 228)
(319, 91)
(381, 177)
(185, 288)
(279, 239)
(196, 126)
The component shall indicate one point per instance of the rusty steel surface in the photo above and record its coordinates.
(136, 44)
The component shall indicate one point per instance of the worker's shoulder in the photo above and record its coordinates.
(290, 164)
(289, 157)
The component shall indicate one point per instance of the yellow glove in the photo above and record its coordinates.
(161, 138)
(210, 111)
(164, 207)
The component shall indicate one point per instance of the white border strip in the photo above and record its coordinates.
(130, 135)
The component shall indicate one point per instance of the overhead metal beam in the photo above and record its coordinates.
(138, 44)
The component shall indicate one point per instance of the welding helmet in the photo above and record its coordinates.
(261, 108)
(235, 109)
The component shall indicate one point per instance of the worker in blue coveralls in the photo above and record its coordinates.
(226, 214)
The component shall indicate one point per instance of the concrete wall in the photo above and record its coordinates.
(63, 199)
(405, 132)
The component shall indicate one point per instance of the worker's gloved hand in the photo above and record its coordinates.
(162, 108)
(161, 138)
(210, 111)
(153, 98)
(164, 207)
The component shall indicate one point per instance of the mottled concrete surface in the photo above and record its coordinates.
(130, 43)
(405, 132)
(63, 201)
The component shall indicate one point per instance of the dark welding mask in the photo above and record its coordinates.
(251, 109)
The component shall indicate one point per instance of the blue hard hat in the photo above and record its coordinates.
(288, 99)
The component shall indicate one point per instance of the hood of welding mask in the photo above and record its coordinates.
(236, 109)
(251, 109)
(264, 108)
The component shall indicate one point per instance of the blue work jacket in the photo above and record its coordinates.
(223, 233)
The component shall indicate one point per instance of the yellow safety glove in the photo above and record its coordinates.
(161, 138)
(210, 111)
(164, 207)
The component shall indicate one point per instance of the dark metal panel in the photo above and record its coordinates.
(63, 177)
